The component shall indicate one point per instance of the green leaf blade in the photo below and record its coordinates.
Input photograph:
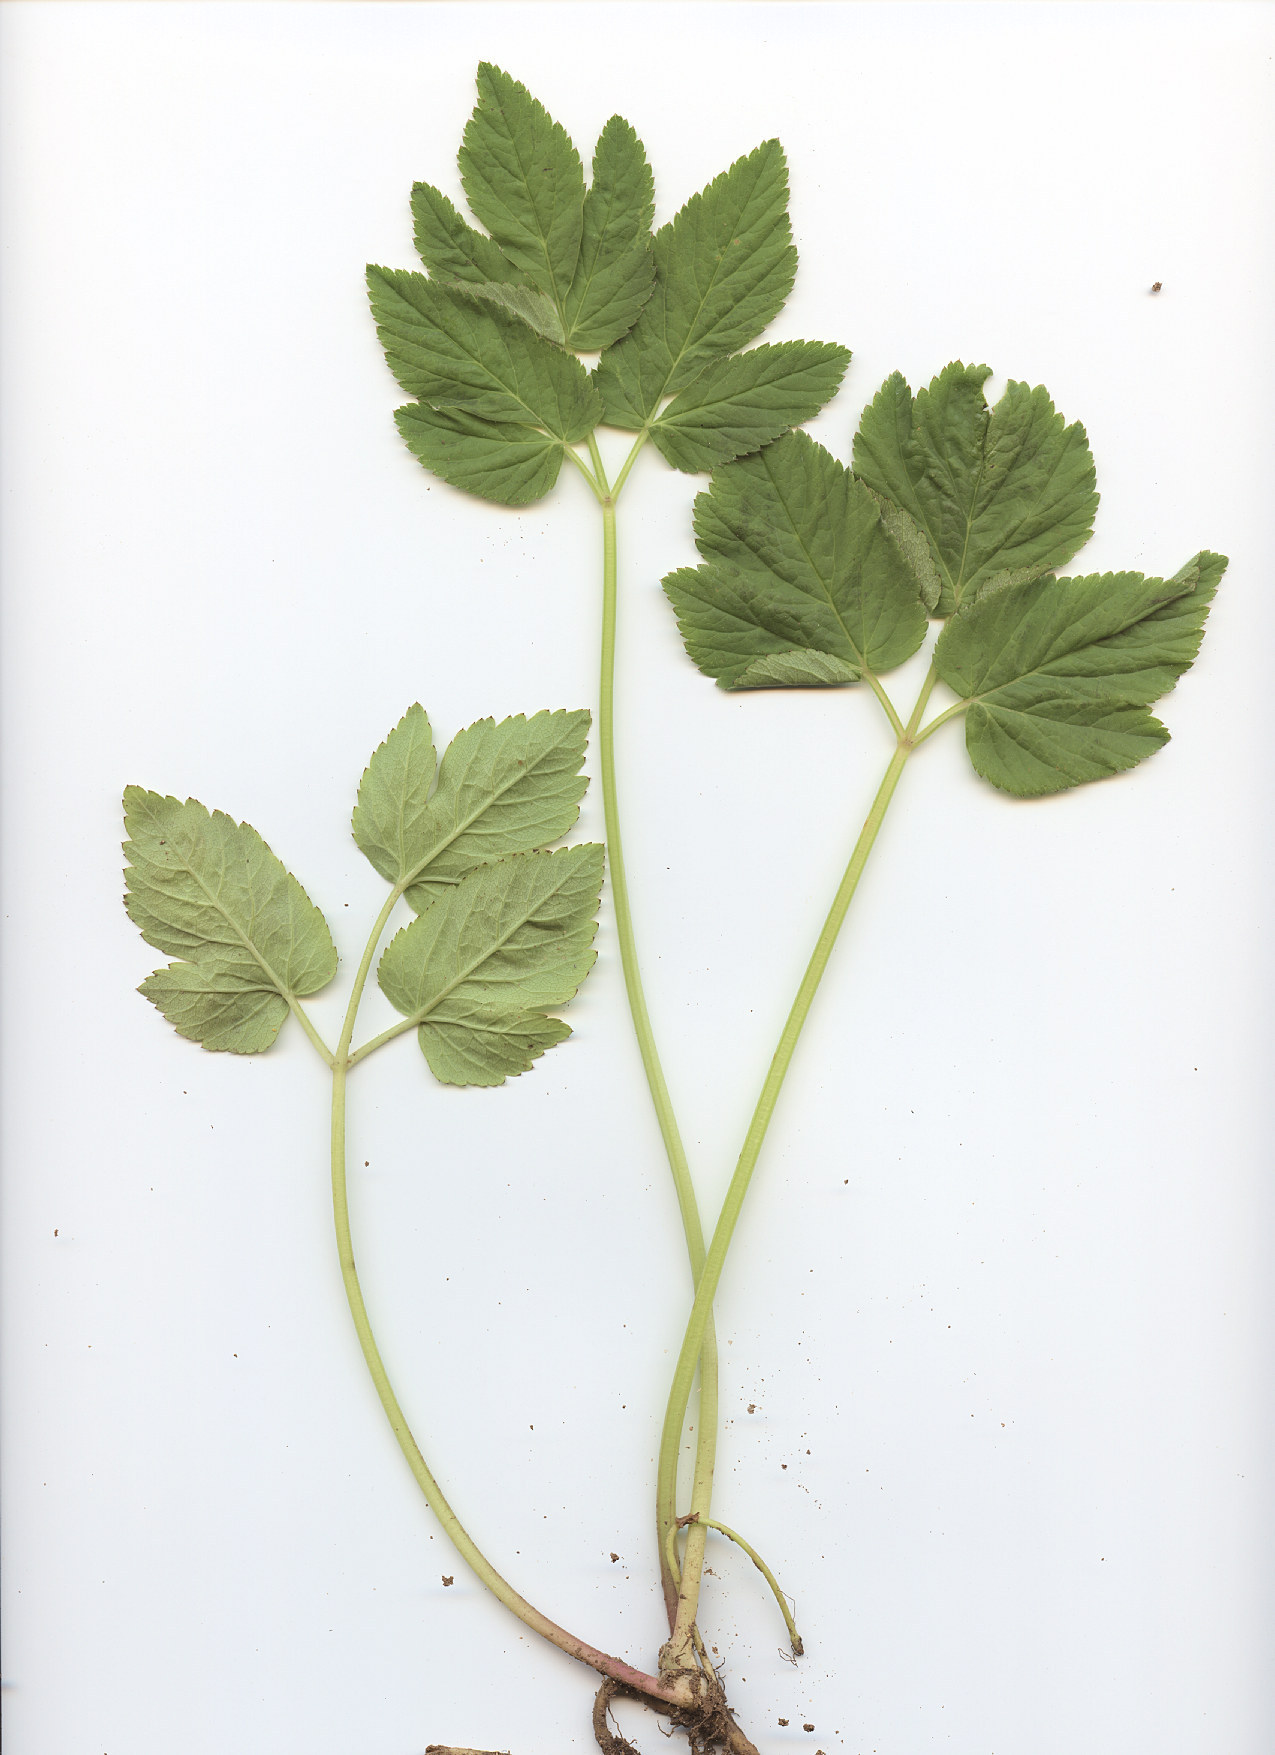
(1059, 672)
(1041, 743)
(1004, 489)
(226, 1010)
(504, 946)
(1153, 654)
(523, 179)
(454, 351)
(390, 821)
(504, 788)
(723, 269)
(201, 887)
(497, 460)
(796, 562)
(471, 1047)
(615, 271)
(737, 405)
(451, 248)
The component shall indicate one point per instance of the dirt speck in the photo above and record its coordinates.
(448, 1578)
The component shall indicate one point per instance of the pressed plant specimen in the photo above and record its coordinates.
(814, 574)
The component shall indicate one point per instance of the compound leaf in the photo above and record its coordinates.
(1059, 673)
(390, 820)
(208, 890)
(453, 351)
(503, 788)
(512, 465)
(481, 967)
(801, 584)
(615, 272)
(723, 268)
(1005, 489)
(739, 404)
(524, 181)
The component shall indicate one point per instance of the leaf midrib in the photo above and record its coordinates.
(686, 346)
(860, 655)
(542, 237)
(280, 986)
(407, 882)
(1041, 669)
(534, 419)
(417, 1018)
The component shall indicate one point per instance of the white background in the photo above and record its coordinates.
(1000, 1301)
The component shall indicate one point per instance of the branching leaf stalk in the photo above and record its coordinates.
(667, 1690)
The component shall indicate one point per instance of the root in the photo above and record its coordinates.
(610, 1742)
(709, 1726)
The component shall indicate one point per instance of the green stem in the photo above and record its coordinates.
(706, 1290)
(706, 1437)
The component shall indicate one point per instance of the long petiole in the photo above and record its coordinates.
(887, 705)
(706, 1436)
(629, 461)
(586, 472)
(303, 1018)
(706, 1290)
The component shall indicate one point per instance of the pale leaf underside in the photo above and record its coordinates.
(479, 970)
(503, 787)
(391, 816)
(208, 890)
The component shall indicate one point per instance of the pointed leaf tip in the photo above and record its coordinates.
(523, 179)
